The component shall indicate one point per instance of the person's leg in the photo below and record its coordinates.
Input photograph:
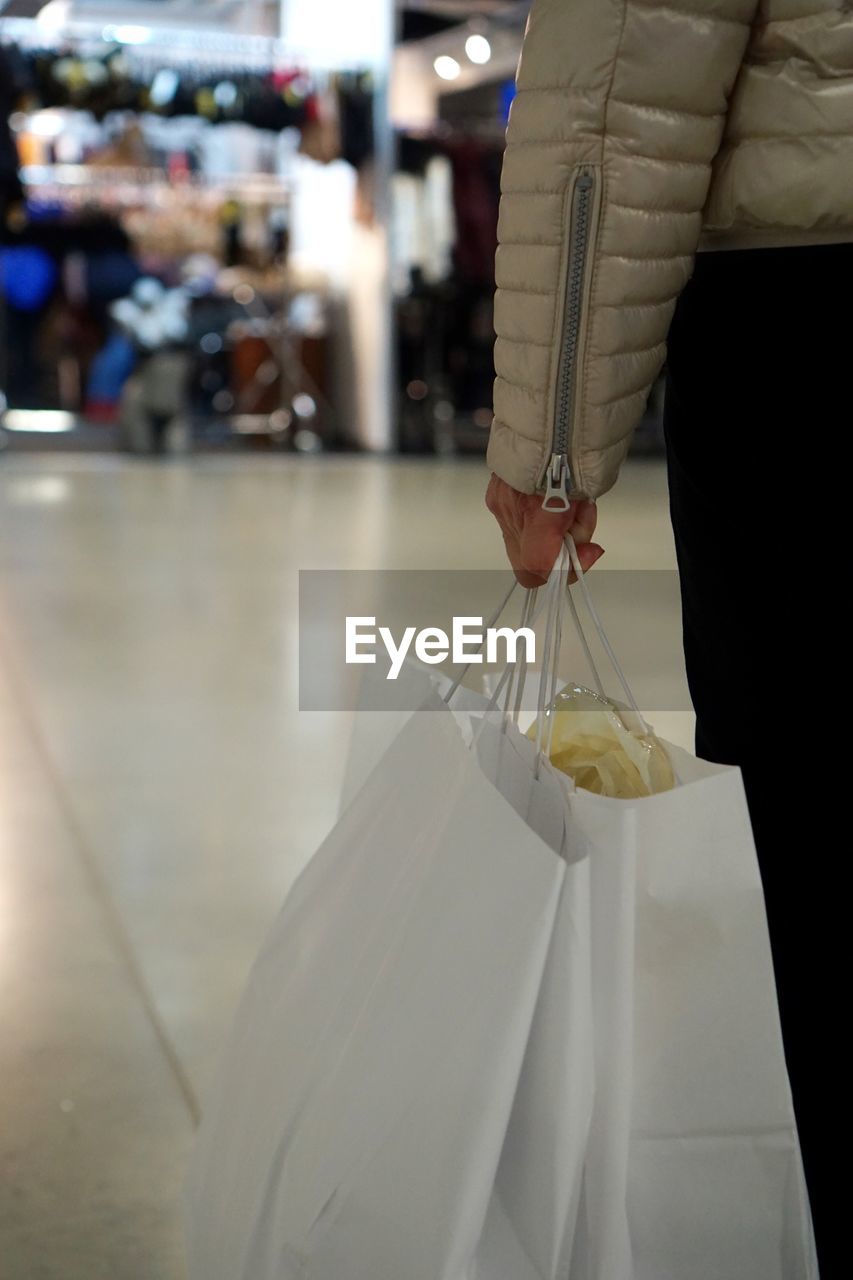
(753, 396)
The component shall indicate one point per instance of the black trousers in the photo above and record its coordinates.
(757, 418)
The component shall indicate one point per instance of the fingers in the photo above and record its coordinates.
(543, 534)
(529, 580)
(585, 520)
(539, 546)
(534, 537)
(589, 553)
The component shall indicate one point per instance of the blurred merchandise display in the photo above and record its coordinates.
(104, 79)
(445, 197)
(147, 204)
(449, 102)
(334, 233)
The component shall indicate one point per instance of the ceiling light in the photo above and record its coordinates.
(446, 67)
(478, 49)
(54, 16)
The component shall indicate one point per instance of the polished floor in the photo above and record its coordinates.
(159, 791)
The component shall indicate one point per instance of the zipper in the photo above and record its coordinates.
(558, 476)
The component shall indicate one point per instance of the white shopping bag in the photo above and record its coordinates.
(506, 1029)
(652, 1135)
(373, 731)
(363, 1099)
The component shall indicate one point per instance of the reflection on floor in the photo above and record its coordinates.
(159, 791)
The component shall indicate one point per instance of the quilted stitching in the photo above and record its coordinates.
(668, 157)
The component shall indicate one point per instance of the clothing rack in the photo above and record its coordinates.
(169, 45)
(79, 185)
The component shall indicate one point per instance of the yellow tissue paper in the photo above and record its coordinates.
(593, 743)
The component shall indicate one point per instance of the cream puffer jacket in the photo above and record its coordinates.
(641, 131)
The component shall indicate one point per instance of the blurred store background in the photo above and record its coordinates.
(246, 280)
(236, 224)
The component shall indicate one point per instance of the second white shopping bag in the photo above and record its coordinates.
(652, 1135)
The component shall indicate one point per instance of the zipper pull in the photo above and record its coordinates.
(557, 490)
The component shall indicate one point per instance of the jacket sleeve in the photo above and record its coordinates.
(619, 111)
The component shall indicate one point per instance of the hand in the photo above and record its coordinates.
(533, 537)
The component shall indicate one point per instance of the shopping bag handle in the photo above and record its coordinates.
(494, 618)
(528, 616)
(558, 595)
(574, 558)
(530, 611)
(558, 591)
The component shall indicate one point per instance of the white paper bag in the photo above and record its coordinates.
(362, 1102)
(373, 731)
(652, 1135)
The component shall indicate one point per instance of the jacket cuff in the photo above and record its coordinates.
(514, 458)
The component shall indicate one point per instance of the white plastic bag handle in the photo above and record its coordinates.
(602, 635)
(557, 595)
(559, 591)
(457, 682)
(530, 612)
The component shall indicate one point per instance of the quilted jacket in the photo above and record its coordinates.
(642, 131)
